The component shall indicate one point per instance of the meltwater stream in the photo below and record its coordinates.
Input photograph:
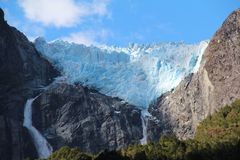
(43, 148)
(144, 117)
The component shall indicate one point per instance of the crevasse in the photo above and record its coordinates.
(138, 74)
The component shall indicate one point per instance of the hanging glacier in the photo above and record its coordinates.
(137, 74)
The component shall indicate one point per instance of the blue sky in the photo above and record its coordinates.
(119, 22)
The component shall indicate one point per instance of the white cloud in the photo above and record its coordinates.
(88, 37)
(62, 13)
(31, 30)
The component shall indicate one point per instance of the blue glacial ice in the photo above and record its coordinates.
(137, 74)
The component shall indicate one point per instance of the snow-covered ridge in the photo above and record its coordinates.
(138, 73)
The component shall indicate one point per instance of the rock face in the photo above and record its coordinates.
(77, 116)
(22, 72)
(199, 95)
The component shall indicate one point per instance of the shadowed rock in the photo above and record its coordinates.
(1, 14)
(2, 20)
(22, 72)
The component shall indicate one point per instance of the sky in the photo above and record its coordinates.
(118, 22)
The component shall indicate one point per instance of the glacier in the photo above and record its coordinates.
(138, 74)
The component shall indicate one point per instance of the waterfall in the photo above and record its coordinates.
(144, 117)
(43, 148)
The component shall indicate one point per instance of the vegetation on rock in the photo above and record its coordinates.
(66, 153)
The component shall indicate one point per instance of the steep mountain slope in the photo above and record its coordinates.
(22, 73)
(200, 94)
(73, 115)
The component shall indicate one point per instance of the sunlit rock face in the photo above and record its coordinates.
(138, 74)
(214, 85)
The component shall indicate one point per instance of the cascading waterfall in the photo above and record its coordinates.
(144, 117)
(43, 148)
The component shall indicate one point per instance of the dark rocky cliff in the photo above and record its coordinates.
(214, 85)
(77, 116)
(22, 72)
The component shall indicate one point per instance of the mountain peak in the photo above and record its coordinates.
(233, 19)
(234, 16)
(1, 15)
(230, 26)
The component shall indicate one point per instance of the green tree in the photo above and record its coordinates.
(66, 153)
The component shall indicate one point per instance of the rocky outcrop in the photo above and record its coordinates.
(199, 95)
(22, 72)
(77, 116)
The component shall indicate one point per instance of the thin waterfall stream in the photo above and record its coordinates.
(44, 149)
(144, 117)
